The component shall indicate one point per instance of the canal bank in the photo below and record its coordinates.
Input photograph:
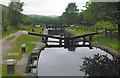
(22, 66)
(99, 45)
(30, 60)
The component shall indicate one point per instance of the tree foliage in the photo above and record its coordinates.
(70, 14)
(100, 65)
(105, 25)
(95, 13)
(5, 21)
(15, 17)
(17, 6)
(101, 11)
(12, 21)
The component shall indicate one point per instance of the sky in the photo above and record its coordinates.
(46, 7)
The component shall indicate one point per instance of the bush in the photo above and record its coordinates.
(100, 65)
(105, 25)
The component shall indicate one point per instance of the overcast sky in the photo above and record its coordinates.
(46, 7)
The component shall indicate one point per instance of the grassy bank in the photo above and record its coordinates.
(17, 45)
(22, 27)
(107, 41)
(24, 39)
(8, 33)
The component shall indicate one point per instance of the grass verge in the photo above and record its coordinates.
(107, 41)
(8, 33)
(10, 38)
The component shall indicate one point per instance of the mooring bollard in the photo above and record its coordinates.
(40, 32)
(10, 66)
(33, 29)
(23, 48)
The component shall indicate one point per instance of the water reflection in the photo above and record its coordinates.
(71, 49)
(61, 62)
(100, 65)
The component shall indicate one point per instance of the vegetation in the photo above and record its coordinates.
(107, 41)
(12, 19)
(101, 11)
(14, 13)
(102, 15)
(70, 13)
(8, 33)
(10, 38)
(22, 39)
(98, 15)
(100, 65)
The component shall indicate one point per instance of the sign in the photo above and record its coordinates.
(10, 62)
(23, 45)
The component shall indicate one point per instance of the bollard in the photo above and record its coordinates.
(23, 48)
(40, 32)
(10, 66)
(33, 30)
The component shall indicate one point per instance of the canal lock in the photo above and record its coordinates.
(32, 66)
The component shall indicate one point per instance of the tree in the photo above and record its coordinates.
(14, 13)
(72, 8)
(97, 11)
(70, 13)
(100, 65)
(5, 21)
(26, 20)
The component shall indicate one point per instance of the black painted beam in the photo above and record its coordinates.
(43, 35)
(55, 41)
(90, 34)
(49, 46)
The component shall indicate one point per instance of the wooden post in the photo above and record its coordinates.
(33, 30)
(90, 41)
(66, 42)
(90, 38)
(84, 41)
(105, 32)
(60, 42)
(111, 33)
(46, 40)
(71, 42)
(42, 38)
(90, 46)
(96, 29)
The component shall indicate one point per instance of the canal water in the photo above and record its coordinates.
(62, 62)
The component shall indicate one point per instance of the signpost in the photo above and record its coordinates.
(23, 48)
